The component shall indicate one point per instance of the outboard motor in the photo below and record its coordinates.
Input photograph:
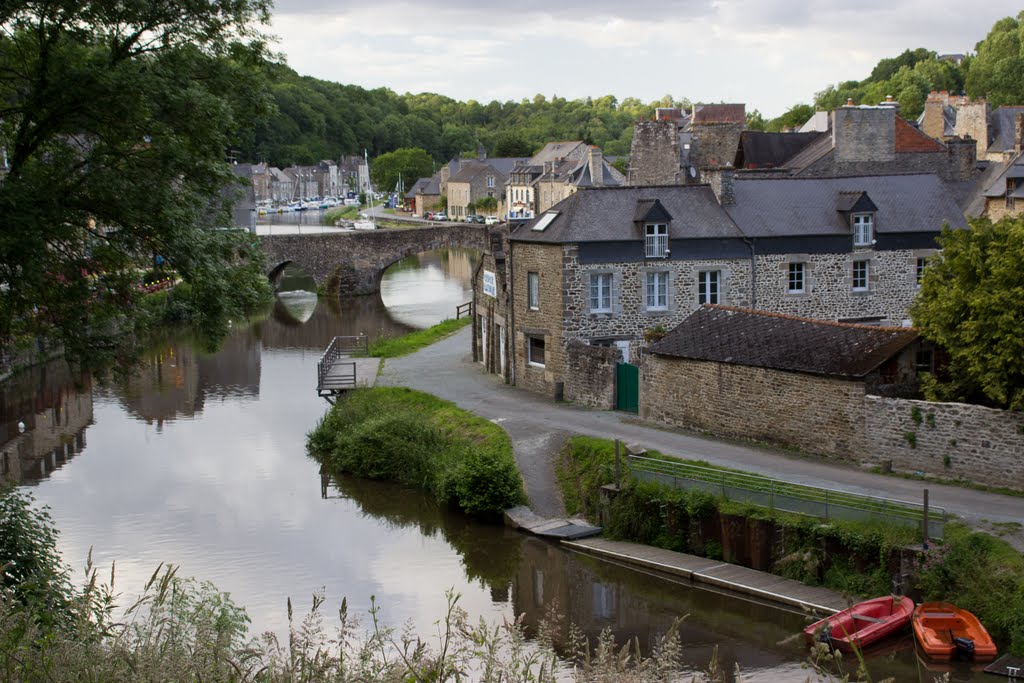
(964, 647)
(825, 636)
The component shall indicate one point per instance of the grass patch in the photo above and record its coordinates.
(413, 438)
(347, 213)
(392, 347)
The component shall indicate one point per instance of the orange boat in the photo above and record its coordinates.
(943, 630)
(862, 624)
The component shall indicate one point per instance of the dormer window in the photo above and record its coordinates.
(656, 240)
(863, 229)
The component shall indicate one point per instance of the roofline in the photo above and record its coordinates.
(816, 321)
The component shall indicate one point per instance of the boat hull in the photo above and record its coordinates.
(938, 625)
(863, 624)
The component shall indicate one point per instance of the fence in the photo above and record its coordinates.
(340, 347)
(787, 497)
(464, 309)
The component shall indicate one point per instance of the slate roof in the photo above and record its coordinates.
(1002, 126)
(758, 149)
(553, 151)
(472, 169)
(1014, 168)
(809, 154)
(741, 336)
(608, 215)
(775, 207)
(417, 188)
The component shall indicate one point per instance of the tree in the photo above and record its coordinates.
(795, 116)
(997, 71)
(411, 163)
(116, 118)
(972, 305)
(511, 145)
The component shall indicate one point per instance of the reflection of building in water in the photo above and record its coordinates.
(45, 412)
(175, 380)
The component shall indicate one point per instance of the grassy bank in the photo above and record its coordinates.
(407, 436)
(392, 347)
(977, 572)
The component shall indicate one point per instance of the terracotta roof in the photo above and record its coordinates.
(910, 139)
(741, 336)
(719, 113)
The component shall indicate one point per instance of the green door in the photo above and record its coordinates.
(627, 387)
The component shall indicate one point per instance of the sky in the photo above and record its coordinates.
(769, 54)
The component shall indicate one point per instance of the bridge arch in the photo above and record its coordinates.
(352, 263)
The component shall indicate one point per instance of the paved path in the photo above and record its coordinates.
(538, 426)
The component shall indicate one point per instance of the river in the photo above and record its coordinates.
(199, 461)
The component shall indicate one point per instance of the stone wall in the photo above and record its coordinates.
(654, 154)
(864, 134)
(590, 374)
(947, 440)
(546, 321)
(715, 144)
(359, 258)
(492, 345)
(817, 414)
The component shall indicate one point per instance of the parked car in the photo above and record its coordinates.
(491, 220)
(428, 215)
(469, 218)
(440, 216)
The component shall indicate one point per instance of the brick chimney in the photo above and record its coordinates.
(721, 181)
(596, 161)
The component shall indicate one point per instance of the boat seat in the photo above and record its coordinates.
(864, 617)
(938, 615)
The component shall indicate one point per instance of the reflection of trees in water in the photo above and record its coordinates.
(331, 318)
(457, 264)
(490, 553)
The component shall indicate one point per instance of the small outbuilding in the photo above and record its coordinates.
(770, 377)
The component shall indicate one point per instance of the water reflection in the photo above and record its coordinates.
(419, 289)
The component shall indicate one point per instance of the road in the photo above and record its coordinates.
(538, 426)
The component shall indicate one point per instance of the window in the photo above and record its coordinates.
(533, 291)
(860, 276)
(490, 181)
(535, 351)
(796, 278)
(657, 291)
(656, 240)
(919, 272)
(1011, 185)
(863, 224)
(924, 361)
(707, 287)
(601, 293)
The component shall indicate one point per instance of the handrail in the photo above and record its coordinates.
(342, 346)
(464, 309)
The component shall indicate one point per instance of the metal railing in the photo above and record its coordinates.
(340, 347)
(464, 309)
(787, 497)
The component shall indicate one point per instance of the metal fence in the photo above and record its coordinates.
(785, 496)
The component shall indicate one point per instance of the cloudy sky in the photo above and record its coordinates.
(770, 54)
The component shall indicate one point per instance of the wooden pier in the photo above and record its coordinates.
(345, 366)
(715, 573)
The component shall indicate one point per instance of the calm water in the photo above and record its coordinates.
(200, 461)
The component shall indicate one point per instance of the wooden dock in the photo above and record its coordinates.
(522, 517)
(345, 366)
(715, 573)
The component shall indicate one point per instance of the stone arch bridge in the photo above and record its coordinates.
(353, 262)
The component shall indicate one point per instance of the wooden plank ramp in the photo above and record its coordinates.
(715, 573)
(522, 517)
(1010, 666)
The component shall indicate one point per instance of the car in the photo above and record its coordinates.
(440, 216)
(491, 220)
(428, 215)
(469, 218)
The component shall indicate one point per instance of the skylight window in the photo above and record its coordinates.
(544, 221)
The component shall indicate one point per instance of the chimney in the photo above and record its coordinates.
(597, 166)
(849, 101)
(721, 181)
(1018, 131)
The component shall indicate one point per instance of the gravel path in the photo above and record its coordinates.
(538, 426)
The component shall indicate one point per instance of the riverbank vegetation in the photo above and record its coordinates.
(978, 572)
(416, 439)
(392, 347)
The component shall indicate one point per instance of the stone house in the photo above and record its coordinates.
(608, 266)
(521, 197)
(996, 133)
(558, 180)
(1004, 193)
(770, 377)
(353, 174)
(424, 195)
(473, 182)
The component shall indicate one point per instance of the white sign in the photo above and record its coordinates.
(490, 284)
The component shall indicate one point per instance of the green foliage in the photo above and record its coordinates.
(795, 116)
(487, 204)
(915, 415)
(421, 441)
(115, 144)
(409, 163)
(393, 347)
(970, 304)
(911, 438)
(511, 145)
(997, 71)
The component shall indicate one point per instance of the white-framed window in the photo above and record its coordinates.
(863, 229)
(533, 291)
(922, 263)
(490, 181)
(656, 240)
(707, 286)
(795, 283)
(657, 291)
(860, 276)
(601, 293)
(535, 351)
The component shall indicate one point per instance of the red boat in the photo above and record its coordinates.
(944, 630)
(862, 624)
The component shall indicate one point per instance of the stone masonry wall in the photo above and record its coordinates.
(590, 374)
(948, 440)
(547, 261)
(864, 134)
(828, 284)
(361, 257)
(818, 414)
(654, 154)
